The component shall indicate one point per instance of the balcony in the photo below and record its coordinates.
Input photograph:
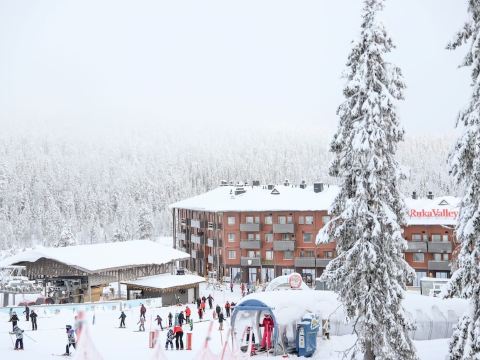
(284, 245)
(322, 262)
(416, 246)
(440, 247)
(210, 259)
(181, 236)
(197, 224)
(194, 254)
(283, 228)
(439, 265)
(197, 239)
(210, 242)
(268, 262)
(250, 227)
(303, 262)
(250, 244)
(249, 261)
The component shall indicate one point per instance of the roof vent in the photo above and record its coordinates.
(443, 202)
(275, 192)
(430, 195)
(414, 195)
(286, 183)
(318, 187)
(240, 190)
(303, 185)
(223, 183)
(270, 187)
(256, 183)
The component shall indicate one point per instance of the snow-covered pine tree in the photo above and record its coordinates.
(465, 165)
(66, 238)
(369, 273)
(145, 226)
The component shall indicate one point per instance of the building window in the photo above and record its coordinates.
(441, 275)
(309, 253)
(307, 237)
(328, 254)
(326, 219)
(445, 237)
(309, 220)
(425, 237)
(445, 257)
(419, 275)
(287, 255)
(416, 237)
(268, 237)
(231, 237)
(286, 237)
(249, 219)
(268, 220)
(257, 219)
(282, 220)
(418, 257)
(232, 254)
(289, 220)
(251, 236)
(437, 257)
(269, 255)
(301, 220)
(231, 220)
(436, 237)
(253, 254)
(257, 236)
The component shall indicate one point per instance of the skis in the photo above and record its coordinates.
(61, 354)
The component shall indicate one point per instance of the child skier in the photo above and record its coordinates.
(14, 320)
(158, 319)
(122, 319)
(71, 339)
(170, 338)
(170, 316)
(142, 324)
(246, 336)
(19, 335)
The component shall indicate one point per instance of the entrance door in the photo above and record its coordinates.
(252, 275)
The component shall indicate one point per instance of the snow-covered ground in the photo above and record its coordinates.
(115, 343)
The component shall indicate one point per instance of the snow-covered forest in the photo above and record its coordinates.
(55, 189)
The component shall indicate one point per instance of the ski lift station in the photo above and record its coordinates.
(79, 273)
(289, 302)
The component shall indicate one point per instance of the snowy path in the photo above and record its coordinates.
(115, 343)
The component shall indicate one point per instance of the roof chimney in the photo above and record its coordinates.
(414, 195)
(430, 195)
(317, 187)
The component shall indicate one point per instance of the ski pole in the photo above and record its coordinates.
(11, 339)
(30, 338)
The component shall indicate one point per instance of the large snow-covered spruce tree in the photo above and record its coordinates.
(370, 272)
(465, 164)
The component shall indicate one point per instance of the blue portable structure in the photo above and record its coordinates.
(257, 308)
(307, 330)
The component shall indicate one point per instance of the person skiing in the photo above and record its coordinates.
(33, 319)
(27, 313)
(19, 335)
(142, 324)
(158, 319)
(267, 325)
(246, 336)
(231, 286)
(200, 313)
(71, 339)
(170, 337)
(170, 319)
(199, 301)
(204, 299)
(202, 306)
(143, 311)
(13, 320)
(188, 312)
(227, 309)
(122, 319)
(218, 309)
(178, 331)
(210, 301)
(181, 318)
(221, 318)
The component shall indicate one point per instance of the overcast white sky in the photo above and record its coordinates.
(95, 64)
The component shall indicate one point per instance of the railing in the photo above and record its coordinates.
(249, 261)
(197, 239)
(442, 265)
(283, 245)
(440, 247)
(283, 228)
(250, 244)
(322, 262)
(305, 262)
(416, 246)
(210, 242)
(250, 227)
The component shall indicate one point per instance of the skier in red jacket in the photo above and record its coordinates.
(267, 325)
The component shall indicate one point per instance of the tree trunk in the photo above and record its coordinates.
(369, 355)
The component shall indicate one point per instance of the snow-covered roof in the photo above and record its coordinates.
(259, 198)
(97, 257)
(437, 211)
(165, 281)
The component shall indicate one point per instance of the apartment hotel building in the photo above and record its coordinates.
(256, 232)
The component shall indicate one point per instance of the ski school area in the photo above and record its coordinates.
(303, 322)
